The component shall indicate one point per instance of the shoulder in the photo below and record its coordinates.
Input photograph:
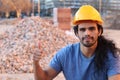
(67, 50)
(113, 64)
(112, 56)
(72, 46)
(63, 56)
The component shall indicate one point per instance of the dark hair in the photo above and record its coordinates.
(104, 45)
(75, 28)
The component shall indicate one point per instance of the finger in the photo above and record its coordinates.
(36, 54)
(36, 57)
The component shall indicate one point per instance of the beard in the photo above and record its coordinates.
(88, 43)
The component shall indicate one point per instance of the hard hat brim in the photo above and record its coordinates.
(82, 21)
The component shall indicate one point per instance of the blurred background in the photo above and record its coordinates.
(109, 9)
(43, 8)
(25, 22)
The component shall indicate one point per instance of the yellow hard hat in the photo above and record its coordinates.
(87, 12)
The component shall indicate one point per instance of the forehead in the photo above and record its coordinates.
(87, 24)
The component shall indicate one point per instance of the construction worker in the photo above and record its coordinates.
(93, 58)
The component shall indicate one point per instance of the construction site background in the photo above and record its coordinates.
(24, 22)
(109, 9)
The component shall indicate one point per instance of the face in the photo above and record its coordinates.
(88, 33)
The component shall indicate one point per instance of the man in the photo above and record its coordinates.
(94, 58)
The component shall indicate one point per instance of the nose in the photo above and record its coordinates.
(87, 32)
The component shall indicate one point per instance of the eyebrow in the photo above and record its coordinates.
(90, 28)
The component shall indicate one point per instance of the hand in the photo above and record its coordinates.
(37, 52)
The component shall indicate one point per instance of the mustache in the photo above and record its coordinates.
(86, 37)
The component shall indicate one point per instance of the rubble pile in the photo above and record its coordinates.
(18, 45)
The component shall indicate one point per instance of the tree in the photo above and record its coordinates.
(15, 5)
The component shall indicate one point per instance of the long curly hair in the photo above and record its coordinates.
(102, 49)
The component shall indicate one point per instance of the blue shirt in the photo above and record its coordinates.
(76, 66)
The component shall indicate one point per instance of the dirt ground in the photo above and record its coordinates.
(27, 76)
(112, 34)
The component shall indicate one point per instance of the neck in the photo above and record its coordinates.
(88, 51)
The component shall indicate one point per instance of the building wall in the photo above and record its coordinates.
(106, 6)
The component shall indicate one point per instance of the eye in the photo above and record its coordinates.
(91, 28)
(82, 29)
